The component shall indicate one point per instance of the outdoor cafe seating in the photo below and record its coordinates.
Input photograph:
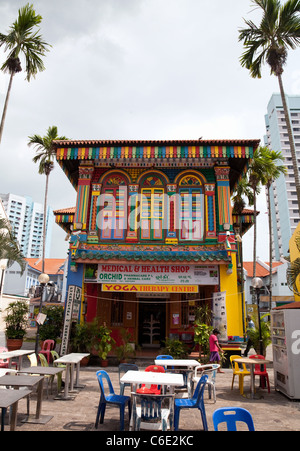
(152, 411)
(231, 416)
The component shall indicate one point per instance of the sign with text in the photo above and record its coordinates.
(158, 274)
(74, 296)
(149, 288)
(220, 314)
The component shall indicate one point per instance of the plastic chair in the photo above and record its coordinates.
(166, 357)
(4, 362)
(152, 411)
(196, 402)
(154, 389)
(55, 356)
(238, 372)
(48, 346)
(211, 371)
(110, 398)
(123, 368)
(262, 373)
(230, 416)
(49, 378)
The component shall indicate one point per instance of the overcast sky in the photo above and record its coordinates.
(134, 69)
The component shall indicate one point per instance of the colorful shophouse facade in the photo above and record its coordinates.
(152, 234)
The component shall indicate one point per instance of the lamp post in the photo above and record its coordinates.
(257, 284)
(43, 280)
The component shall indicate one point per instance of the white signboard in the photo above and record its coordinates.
(74, 294)
(158, 274)
(220, 315)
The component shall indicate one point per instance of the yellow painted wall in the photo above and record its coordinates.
(294, 254)
(229, 284)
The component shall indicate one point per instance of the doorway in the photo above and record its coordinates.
(152, 323)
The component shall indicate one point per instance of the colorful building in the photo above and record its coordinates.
(152, 236)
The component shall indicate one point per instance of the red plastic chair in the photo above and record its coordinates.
(154, 389)
(262, 373)
(48, 346)
(4, 362)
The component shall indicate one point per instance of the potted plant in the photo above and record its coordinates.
(201, 337)
(265, 335)
(175, 348)
(81, 340)
(126, 348)
(16, 324)
(103, 343)
(52, 327)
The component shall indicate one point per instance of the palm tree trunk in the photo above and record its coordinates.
(45, 223)
(270, 245)
(291, 139)
(5, 105)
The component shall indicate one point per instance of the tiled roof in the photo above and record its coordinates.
(260, 270)
(52, 265)
(65, 211)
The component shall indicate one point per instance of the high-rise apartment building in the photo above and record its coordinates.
(26, 218)
(283, 197)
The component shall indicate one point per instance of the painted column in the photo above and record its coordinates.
(93, 234)
(83, 193)
(224, 198)
(171, 215)
(210, 210)
(132, 230)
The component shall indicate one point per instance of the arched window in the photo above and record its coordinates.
(112, 207)
(152, 207)
(191, 208)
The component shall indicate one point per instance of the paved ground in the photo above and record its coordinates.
(270, 412)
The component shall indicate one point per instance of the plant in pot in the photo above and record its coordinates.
(125, 349)
(16, 324)
(175, 348)
(265, 335)
(52, 327)
(81, 340)
(201, 337)
(103, 343)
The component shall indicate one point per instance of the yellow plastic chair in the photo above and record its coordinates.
(49, 378)
(237, 371)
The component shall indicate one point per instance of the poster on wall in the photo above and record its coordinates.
(220, 315)
(158, 274)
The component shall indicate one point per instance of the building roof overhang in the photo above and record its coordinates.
(156, 154)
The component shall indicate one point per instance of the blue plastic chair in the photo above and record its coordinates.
(111, 398)
(230, 415)
(165, 357)
(196, 402)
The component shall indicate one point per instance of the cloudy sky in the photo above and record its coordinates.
(133, 69)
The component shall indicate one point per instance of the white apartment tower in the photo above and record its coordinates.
(26, 218)
(283, 197)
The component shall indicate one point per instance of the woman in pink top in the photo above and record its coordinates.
(215, 348)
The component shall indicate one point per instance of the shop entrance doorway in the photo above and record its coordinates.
(152, 323)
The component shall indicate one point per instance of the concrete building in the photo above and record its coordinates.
(283, 197)
(26, 218)
(281, 294)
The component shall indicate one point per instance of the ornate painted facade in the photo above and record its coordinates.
(146, 210)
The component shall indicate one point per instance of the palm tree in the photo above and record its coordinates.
(279, 31)
(23, 38)
(274, 171)
(45, 157)
(9, 248)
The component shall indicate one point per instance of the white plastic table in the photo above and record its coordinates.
(143, 377)
(71, 360)
(20, 353)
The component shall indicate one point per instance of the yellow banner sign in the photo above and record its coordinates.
(121, 287)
